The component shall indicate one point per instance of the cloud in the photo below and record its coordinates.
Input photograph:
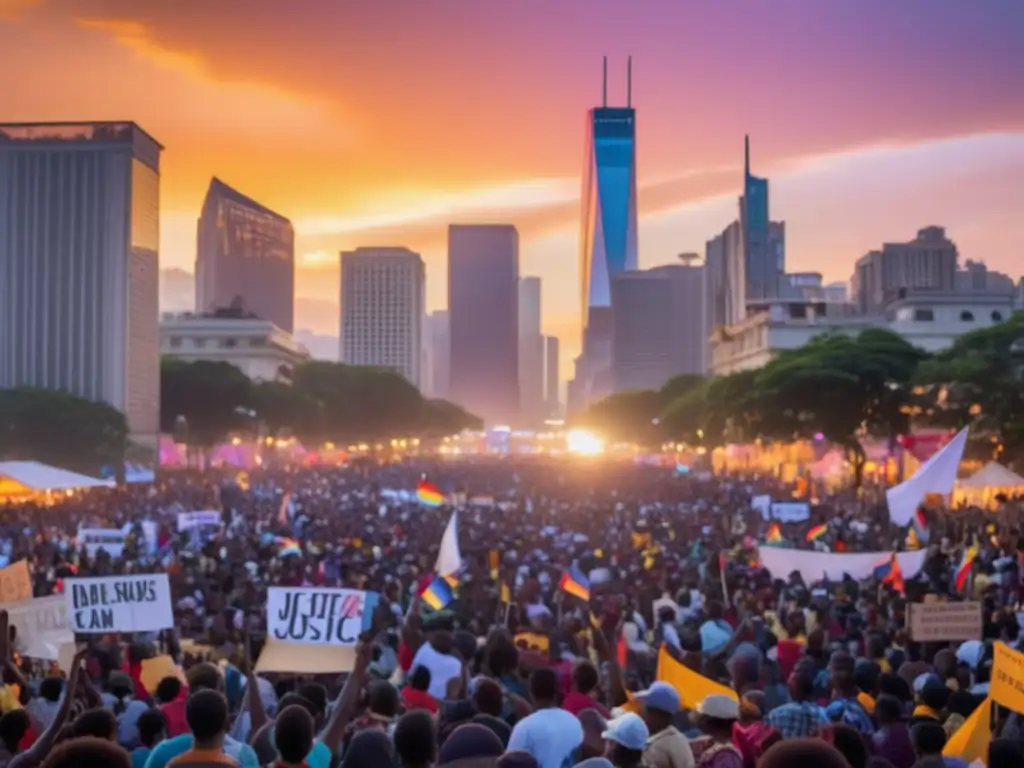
(11, 9)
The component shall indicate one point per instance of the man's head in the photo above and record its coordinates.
(205, 676)
(585, 677)
(544, 687)
(87, 752)
(293, 734)
(661, 704)
(841, 667)
(415, 739)
(206, 713)
(929, 739)
(488, 697)
(97, 722)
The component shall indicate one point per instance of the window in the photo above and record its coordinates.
(924, 315)
(257, 342)
(997, 316)
(175, 342)
(229, 343)
(967, 317)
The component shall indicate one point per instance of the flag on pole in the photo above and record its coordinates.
(429, 495)
(575, 583)
(449, 559)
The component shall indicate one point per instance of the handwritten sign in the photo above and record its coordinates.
(140, 603)
(15, 583)
(940, 622)
(111, 540)
(318, 616)
(42, 626)
(1006, 686)
(202, 519)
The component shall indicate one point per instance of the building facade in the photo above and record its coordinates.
(483, 312)
(79, 265)
(245, 250)
(255, 346)
(764, 241)
(552, 377)
(531, 351)
(383, 300)
(928, 262)
(439, 347)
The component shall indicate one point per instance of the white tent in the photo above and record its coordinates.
(20, 477)
(993, 475)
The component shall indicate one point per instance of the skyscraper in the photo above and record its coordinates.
(439, 347)
(383, 297)
(79, 265)
(531, 351)
(552, 360)
(763, 244)
(245, 250)
(483, 309)
(608, 232)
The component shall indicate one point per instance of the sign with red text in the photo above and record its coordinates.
(318, 615)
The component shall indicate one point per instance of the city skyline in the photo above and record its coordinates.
(859, 149)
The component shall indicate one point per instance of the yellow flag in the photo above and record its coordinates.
(506, 593)
(692, 687)
(971, 740)
(641, 540)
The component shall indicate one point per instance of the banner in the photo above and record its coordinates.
(814, 566)
(139, 603)
(42, 626)
(942, 622)
(790, 511)
(15, 583)
(189, 520)
(318, 615)
(937, 475)
(1006, 686)
(111, 540)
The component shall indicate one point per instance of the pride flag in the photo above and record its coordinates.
(288, 547)
(817, 531)
(438, 593)
(429, 495)
(963, 571)
(575, 583)
(920, 526)
(774, 534)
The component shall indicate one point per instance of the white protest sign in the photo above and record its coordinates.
(207, 517)
(111, 540)
(140, 603)
(317, 615)
(42, 626)
(790, 511)
(762, 503)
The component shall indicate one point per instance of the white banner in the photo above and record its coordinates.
(42, 626)
(140, 603)
(207, 517)
(790, 511)
(937, 475)
(318, 615)
(94, 539)
(814, 566)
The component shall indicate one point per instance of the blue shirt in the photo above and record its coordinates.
(167, 750)
(139, 757)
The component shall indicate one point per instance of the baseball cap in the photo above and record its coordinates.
(629, 731)
(720, 707)
(660, 696)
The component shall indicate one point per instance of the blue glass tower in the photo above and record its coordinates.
(762, 256)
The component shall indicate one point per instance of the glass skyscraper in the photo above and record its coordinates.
(763, 253)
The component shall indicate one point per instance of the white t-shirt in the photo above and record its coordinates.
(442, 669)
(552, 736)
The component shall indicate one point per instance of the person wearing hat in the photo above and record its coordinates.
(666, 747)
(626, 737)
(718, 714)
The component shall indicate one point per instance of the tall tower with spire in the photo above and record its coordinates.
(763, 258)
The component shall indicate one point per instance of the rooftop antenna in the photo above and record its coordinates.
(629, 81)
(746, 154)
(604, 84)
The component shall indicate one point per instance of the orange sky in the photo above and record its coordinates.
(380, 123)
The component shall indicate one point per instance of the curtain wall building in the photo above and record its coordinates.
(79, 265)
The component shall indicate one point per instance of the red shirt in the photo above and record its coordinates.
(416, 699)
(576, 702)
(174, 714)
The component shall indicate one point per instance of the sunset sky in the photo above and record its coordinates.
(379, 122)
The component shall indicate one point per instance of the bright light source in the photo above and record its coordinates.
(583, 442)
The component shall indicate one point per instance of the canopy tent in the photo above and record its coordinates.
(23, 477)
(983, 486)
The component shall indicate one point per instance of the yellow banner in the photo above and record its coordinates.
(1006, 687)
(971, 740)
(692, 687)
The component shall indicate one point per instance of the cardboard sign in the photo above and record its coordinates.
(1006, 687)
(317, 615)
(941, 622)
(42, 626)
(156, 669)
(111, 540)
(203, 519)
(304, 658)
(15, 583)
(140, 603)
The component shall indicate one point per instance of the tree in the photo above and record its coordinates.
(441, 417)
(56, 427)
(201, 401)
(625, 416)
(284, 409)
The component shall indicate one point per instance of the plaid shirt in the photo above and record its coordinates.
(798, 719)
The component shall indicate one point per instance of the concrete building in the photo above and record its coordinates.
(439, 358)
(257, 347)
(552, 378)
(975, 276)
(79, 265)
(929, 262)
(659, 326)
(531, 352)
(483, 311)
(245, 250)
(383, 300)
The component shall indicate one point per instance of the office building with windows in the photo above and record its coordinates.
(245, 250)
(79, 265)
(483, 315)
(531, 351)
(383, 300)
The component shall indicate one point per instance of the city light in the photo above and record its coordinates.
(583, 443)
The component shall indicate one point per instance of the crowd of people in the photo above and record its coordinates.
(515, 671)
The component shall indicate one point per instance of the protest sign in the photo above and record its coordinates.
(140, 603)
(941, 622)
(1006, 686)
(111, 540)
(207, 517)
(155, 669)
(15, 583)
(317, 615)
(762, 503)
(790, 511)
(305, 658)
(42, 626)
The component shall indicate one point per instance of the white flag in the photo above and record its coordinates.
(449, 560)
(937, 475)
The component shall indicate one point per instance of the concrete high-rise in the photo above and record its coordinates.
(929, 261)
(608, 234)
(439, 347)
(79, 265)
(245, 250)
(483, 310)
(531, 351)
(552, 360)
(383, 298)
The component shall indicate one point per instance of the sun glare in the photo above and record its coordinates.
(584, 443)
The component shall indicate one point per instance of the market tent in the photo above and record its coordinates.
(22, 477)
(993, 475)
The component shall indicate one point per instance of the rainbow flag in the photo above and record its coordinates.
(288, 546)
(920, 526)
(429, 495)
(817, 531)
(438, 593)
(963, 571)
(575, 583)
(774, 534)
